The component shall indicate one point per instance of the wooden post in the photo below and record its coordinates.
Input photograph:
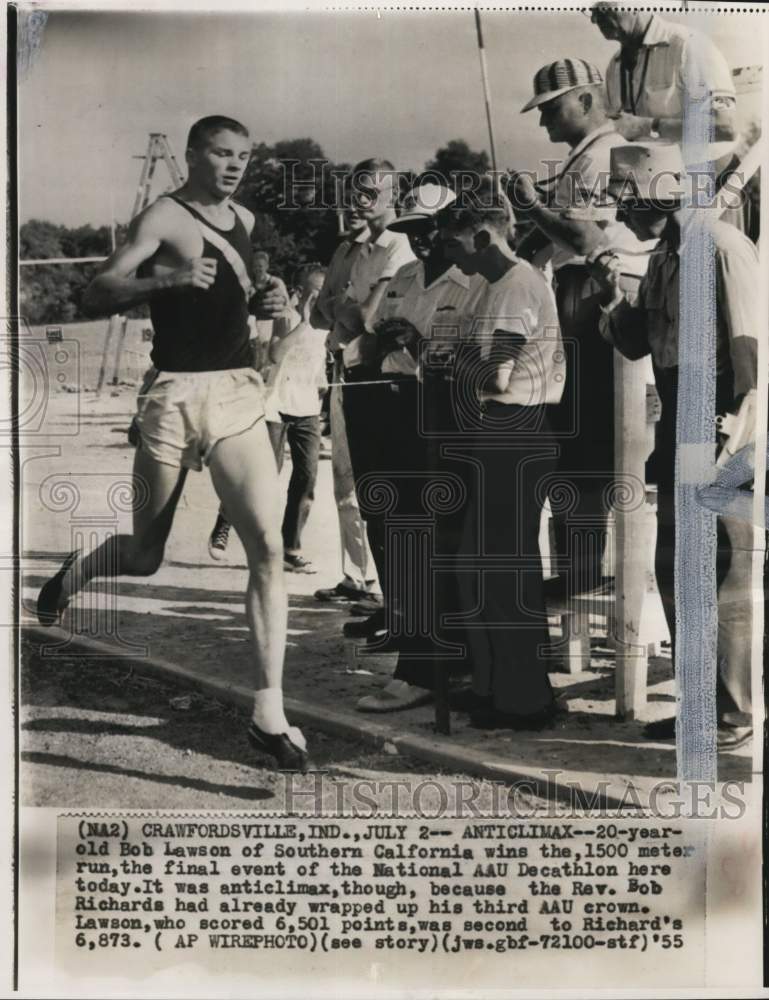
(632, 446)
(575, 628)
(111, 325)
(120, 346)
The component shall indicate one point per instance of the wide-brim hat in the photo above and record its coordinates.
(421, 204)
(560, 77)
(649, 173)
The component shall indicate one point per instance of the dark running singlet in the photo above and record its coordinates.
(202, 330)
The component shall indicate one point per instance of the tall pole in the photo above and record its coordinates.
(486, 91)
(112, 227)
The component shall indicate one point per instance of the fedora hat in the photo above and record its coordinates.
(653, 172)
(559, 78)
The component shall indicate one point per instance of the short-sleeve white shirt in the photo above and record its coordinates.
(293, 385)
(376, 260)
(672, 59)
(436, 311)
(520, 305)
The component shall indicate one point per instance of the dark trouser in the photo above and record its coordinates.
(509, 631)
(365, 414)
(583, 423)
(303, 435)
(733, 561)
(421, 421)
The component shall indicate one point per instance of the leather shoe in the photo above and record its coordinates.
(341, 592)
(287, 755)
(366, 628)
(394, 697)
(367, 606)
(464, 699)
(383, 642)
(733, 737)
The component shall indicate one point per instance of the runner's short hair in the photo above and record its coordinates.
(478, 207)
(205, 127)
(261, 255)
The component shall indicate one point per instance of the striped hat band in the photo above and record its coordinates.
(560, 77)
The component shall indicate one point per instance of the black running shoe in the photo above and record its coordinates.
(49, 609)
(287, 755)
(217, 543)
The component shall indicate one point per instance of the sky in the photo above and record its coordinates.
(361, 83)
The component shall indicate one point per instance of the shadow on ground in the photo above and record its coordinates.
(205, 630)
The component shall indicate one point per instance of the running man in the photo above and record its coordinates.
(260, 332)
(188, 255)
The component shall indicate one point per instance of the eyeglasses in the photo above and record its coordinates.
(370, 191)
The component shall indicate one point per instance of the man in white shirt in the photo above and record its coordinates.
(426, 301)
(295, 385)
(518, 375)
(569, 97)
(648, 78)
(374, 191)
(358, 572)
(661, 67)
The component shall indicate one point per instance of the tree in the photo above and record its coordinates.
(293, 190)
(53, 293)
(456, 158)
(85, 241)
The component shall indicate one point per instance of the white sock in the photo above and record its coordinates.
(268, 711)
(269, 716)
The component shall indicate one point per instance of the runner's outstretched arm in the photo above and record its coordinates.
(118, 288)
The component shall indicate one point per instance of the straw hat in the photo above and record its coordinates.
(560, 77)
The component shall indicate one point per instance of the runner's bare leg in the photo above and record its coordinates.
(158, 488)
(245, 478)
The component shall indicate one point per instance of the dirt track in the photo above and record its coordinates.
(96, 734)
